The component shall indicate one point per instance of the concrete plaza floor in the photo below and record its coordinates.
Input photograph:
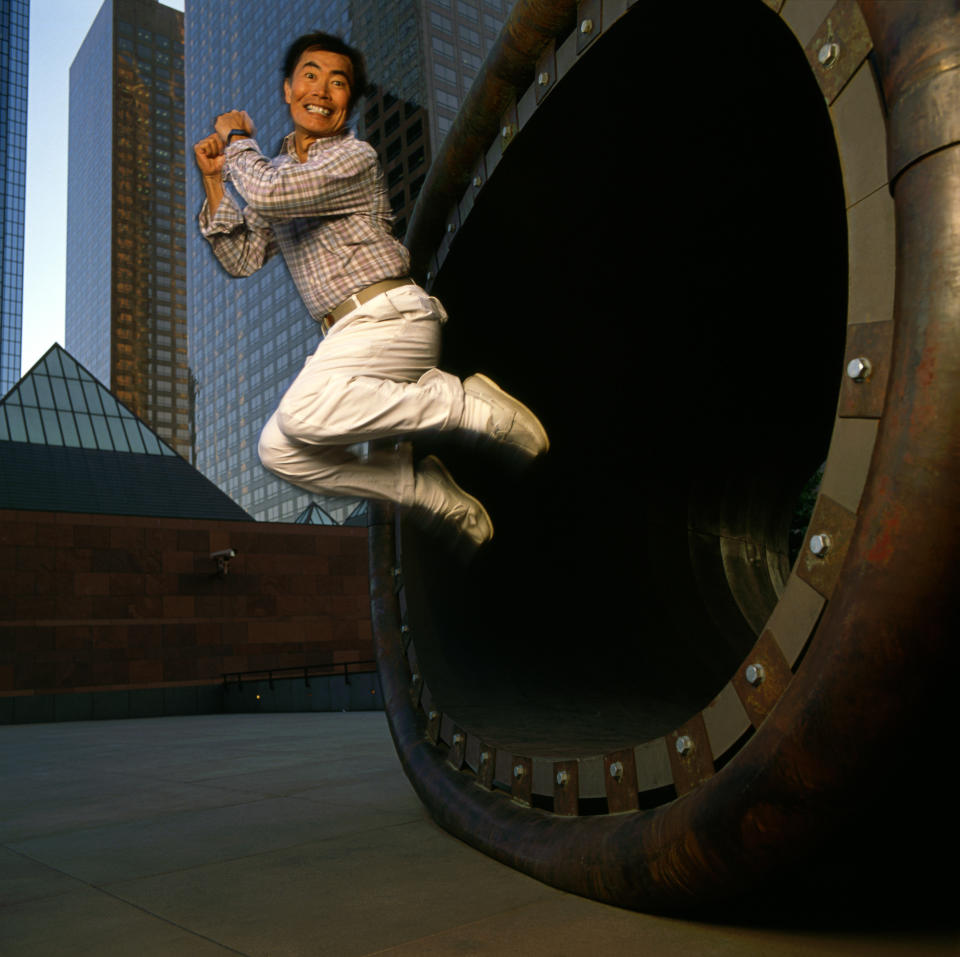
(293, 834)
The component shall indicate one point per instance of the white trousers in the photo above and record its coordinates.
(373, 376)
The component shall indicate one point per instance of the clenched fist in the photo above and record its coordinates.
(209, 155)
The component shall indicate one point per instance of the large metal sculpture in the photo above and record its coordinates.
(717, 247)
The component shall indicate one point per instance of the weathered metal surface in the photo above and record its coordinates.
(838, 48)
(488, 763)
(458, 748)
(763, 679)
(521, 779)
(621, 781)
(546, 71)
(433, 725)
(872, 251)
(861, 135)
(690, 756)
(416, 687)
(566, 788)
(918, 54)
(589, 23)
(795, 618)
(848, 461)
(873, 674)
(825, 547)
(726, 721)
(863, 396)
(653, 765)
(506, 131)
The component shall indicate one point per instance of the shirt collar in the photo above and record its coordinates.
(324, 143)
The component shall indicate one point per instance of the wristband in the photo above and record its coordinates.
(234, 133)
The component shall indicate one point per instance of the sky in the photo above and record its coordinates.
(57, 29)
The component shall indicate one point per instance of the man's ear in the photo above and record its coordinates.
(287, 91)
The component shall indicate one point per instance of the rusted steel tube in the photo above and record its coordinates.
(919, 62)
(508, 69)
(873, 684)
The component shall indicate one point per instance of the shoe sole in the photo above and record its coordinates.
(518, 404)
(446, 474)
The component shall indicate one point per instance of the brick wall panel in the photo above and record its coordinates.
(140, 602)
(91, 536)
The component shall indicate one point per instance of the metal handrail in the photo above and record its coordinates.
(318, 671)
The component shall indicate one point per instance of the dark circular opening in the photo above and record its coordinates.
(658, 268)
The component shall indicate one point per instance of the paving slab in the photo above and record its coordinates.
(297, 834)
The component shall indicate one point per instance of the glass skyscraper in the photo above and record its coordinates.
(14, 31)
(126, 271)
(250, 337)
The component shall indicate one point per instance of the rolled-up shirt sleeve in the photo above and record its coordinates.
(241, 241)
(332, 183)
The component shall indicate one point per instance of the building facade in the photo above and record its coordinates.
(14, 33)
(250, 337)
(126, 316)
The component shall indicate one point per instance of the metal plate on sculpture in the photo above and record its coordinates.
(566, 788)
(521, 779)
(621, 780)
(762, 678)
(589, 23)
(458, 748)
(488, 763)
(690, 757)
(545, 74)
(838, 48)
(826, 544)
(866, 370)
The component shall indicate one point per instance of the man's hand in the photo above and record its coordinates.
(234, 120)
(209, 155)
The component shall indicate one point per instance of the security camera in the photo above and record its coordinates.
(222, 558)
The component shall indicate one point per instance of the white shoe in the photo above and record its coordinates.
(498, 415)
(443, 505)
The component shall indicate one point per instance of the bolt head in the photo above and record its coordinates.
(450, 227)
(484, 757)
(518, 771)
(457, 739)
(478, 181)
(859, 369)
(586, 26)
(755, 674)
(563, 777)
(616, 770)
(505, 132)
(433, 715)
(543, 79)
(820, 544)
(684, 745)
(828, 54)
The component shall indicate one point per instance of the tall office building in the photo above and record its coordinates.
(14, 27)
(250, 337)
(126, 256)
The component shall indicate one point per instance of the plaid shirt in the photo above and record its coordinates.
(329, 217)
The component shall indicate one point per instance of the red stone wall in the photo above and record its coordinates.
(92, 602)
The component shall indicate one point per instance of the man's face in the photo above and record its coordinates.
(319, 93)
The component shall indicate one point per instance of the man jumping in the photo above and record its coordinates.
(323, 206)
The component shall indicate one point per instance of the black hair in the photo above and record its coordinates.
(331, 44)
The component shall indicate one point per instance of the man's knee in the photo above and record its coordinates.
(274, 447)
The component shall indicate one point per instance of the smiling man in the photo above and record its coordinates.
(323, 206)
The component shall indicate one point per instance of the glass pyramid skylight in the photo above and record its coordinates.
(59, 403)
(313, 514)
